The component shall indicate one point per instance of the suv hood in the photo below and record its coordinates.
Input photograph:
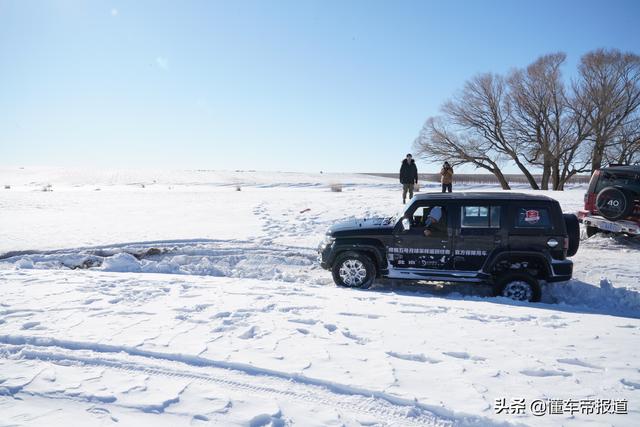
(362, 226)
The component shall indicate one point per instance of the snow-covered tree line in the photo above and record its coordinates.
(536, 120)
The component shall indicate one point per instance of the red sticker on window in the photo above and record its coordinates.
(532, 216)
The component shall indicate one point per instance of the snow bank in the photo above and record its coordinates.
(122, 263)
(219, 259)
(604, 298)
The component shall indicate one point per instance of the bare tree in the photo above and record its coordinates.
(538, 104)
(483, 111)
(626, 146)
(438, 143)
(544, 121)
(607, 92)
(533, 119)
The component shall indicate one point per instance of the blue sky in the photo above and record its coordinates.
(339, 86)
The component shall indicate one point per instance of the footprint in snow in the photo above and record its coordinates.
(365, 315)
(222, 329)
(354, 337)
(544, 373)
(102, 412)
(633, 384)
(413, 357)
(221, 315)
(578, 362)
(295, 309)
(30, 325)
(264, 420)
(249, 333)
(462, 355)
(330, 327)
(304, 321)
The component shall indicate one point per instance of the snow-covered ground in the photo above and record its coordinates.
(170, 298)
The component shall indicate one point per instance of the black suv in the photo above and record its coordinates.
(509, 240)
(612, 201)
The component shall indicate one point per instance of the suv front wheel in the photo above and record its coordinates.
(353, 270)
(518, 286)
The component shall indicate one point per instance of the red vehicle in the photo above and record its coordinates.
(612, 202)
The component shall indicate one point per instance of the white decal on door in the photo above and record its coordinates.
(470, 252)
(419, 251)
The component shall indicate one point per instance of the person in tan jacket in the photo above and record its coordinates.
(446, 177)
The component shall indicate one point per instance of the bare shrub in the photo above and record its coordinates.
(336, 187)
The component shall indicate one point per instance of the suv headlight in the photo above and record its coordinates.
(327, 241)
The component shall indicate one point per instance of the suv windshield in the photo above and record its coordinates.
(627, 180)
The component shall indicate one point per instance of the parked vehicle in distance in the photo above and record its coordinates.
(509, 240)
(612, 201)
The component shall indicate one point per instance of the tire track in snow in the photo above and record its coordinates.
(242, 377)
(382, 410)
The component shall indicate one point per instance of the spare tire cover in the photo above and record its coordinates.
(614, 203)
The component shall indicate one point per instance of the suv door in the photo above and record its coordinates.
(413, 250)
(478, 233)
(533, 225)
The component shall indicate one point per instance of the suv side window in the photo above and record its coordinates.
(480, 216)
(423, 218)
(533, 217)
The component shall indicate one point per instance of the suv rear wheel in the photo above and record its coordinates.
(518, 286)
(353, 270)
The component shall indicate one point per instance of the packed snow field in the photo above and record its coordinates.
(171, 298)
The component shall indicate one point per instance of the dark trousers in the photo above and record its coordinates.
(407, 188)
(446, 188)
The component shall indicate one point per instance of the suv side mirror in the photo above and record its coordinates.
(406, 224)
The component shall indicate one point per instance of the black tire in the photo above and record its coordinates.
(614, 203)
(592, 231)
(573, 231)
(359, 268)
(518, 286)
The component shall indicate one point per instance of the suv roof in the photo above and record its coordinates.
(622, 168)
(483, 196)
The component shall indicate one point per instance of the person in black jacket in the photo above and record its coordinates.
(408, 177)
